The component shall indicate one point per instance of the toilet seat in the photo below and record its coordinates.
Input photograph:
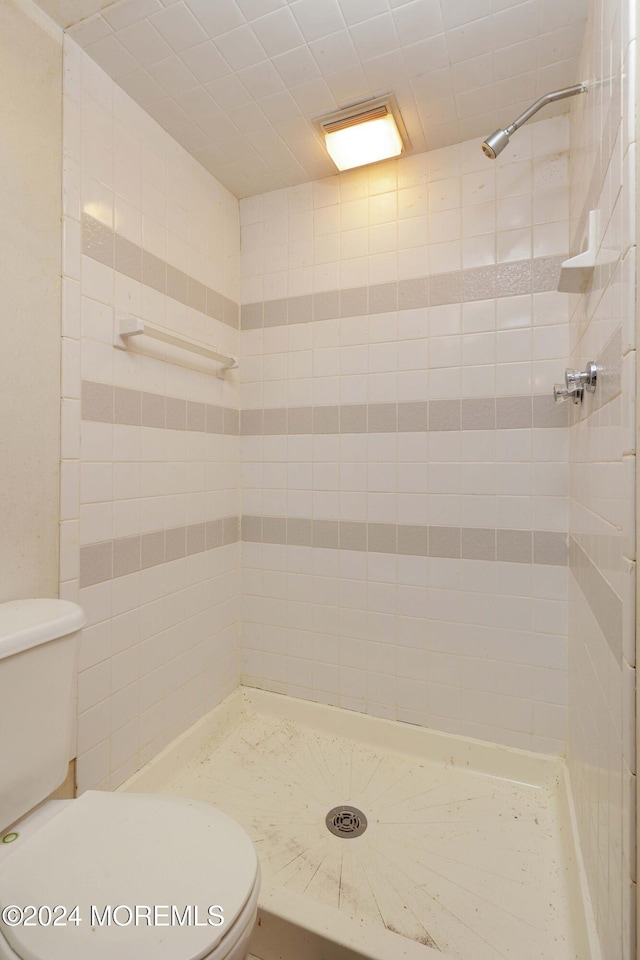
(111, 849)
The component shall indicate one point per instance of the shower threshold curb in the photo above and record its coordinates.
(291, 925)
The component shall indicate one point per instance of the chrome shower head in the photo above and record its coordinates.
(495, 144)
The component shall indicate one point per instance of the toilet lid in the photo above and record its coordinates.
(125, 850)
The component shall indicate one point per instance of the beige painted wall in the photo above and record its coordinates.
(30, 251)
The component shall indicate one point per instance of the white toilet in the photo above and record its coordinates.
(151, 876)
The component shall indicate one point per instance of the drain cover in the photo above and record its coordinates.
(346, 822)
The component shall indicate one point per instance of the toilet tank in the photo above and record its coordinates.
(38, 642)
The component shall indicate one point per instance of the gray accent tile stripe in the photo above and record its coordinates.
(110, 559)
(464, 543)
(604, 602)
(478, 283)
(477, 413)
(108, 404)
(101, 243)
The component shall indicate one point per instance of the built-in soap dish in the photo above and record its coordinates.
(576, 272)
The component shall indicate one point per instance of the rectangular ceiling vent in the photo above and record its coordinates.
(364, 133)
(330, 126)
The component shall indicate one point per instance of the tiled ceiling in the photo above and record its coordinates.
(237, 82)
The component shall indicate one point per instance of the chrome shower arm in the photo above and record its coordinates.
(542, 102)
(497, 141)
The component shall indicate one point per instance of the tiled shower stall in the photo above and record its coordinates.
(382, 508)
(404, 465)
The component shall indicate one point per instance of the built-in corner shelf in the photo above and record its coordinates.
(576, 272)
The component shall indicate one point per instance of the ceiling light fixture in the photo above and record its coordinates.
(364, 133)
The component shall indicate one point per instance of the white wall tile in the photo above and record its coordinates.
(102, 481)
(470, 478)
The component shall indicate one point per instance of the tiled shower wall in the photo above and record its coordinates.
(150, 477)
(601, 741)
(404, 466)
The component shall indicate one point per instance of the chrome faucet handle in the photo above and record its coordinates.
(582, 379)
(576, 382)
(562, 393)
(572, 379)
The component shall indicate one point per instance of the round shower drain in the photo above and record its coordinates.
(346, 822)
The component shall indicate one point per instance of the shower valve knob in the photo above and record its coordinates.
(586, 379)
(562, 393)
(576, 382)
(572, 379)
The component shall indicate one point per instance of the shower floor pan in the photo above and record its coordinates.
(468, 853)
